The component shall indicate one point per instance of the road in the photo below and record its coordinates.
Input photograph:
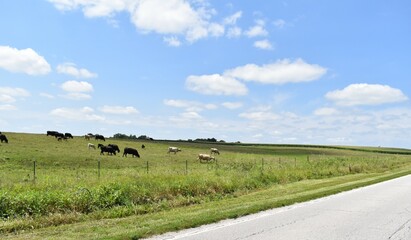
(380, 211)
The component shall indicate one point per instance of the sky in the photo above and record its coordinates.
(282, 72)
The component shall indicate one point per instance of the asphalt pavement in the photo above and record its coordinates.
(380, 211)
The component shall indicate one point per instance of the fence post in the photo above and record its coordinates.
(147, 167)
(34, 171)
(186, 167)
(262, 165)
(99, 167)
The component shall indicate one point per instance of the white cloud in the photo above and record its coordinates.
(215, 85)
(366, 94)
(258, 30)
(77, 96)
(118, 110)
(232, 105)
(190, 19)
(14, 92)
(71, 69)
(232, 20)
(280, 72)
(263, 44)
(46, 95)
(172, 41)
(234, 32)
(189, 105)
(259, 116)
(325, 111)
(7, 107)
(82, 114)
(76, 86)
(279, 23)
(6, 98)
(24, 60)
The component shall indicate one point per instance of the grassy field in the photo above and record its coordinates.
(48, 186)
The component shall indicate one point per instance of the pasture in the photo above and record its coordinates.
(45, 182)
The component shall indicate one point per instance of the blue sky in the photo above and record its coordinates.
(305, 72)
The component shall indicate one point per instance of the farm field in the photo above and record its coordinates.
(49, 186)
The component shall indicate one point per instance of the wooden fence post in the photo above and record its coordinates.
(99, 167)
(34, 171)
(147, 167)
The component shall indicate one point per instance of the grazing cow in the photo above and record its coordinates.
(131, 151)
(62, 138)
(52, 133)
(214, 150)
(142, 146)
(90, 145)
(115, 147)
(99, 137)
(173, 149)
(68, 135)
(205, 157)
(59, 135)
(109, 150)
(3, 138)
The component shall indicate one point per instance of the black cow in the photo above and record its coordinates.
(98, 136)
(131, 151)
(115, 147)
(59, 135)
(109, 150)
(68, 135)
(52, 133)
(3, 138)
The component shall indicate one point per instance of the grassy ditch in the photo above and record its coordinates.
(139, 226)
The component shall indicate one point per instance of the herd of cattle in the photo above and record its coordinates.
(112, 149)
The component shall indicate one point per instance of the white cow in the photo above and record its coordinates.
(90, 145)
(214, 150)
(173, 149)
(205, 157)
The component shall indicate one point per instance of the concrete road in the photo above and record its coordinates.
(380, 211)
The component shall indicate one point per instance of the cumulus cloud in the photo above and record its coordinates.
(172, 41)
(8, 94)
(263, 44)
(234, 32)
(232, 20)
(25, 61)
(118, 110)
(71, 69)
(366, 94)
(190, 106)
(258, 30)
(325, 111)
(76, 86)
(175, 17)
(82, 114)
(215, 84)
(7, 107)
(280, 72)
(232, 105)
(259, 116)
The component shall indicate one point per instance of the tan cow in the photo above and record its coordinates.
(205, 157)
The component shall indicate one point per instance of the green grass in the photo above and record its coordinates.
(68, 191)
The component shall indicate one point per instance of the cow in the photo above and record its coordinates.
(115, 147)
(131, 151)
(3, 138)
(68, 135)
(205, 157)
(90, 145)
(142, 146)
(173, 149)
(62, 138)
(99, 137)
(59, 135)
(109, 150)
(52, 133)
(214, 150)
